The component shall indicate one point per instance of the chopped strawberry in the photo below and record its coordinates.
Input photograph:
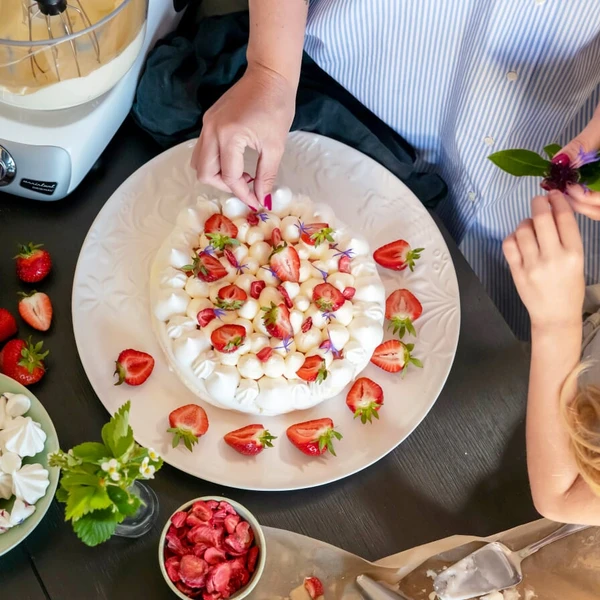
(179, 518)
(187, 423)
(349, 292)
(327, 297)
(8, 325)
(256, 287)
(397, 255)
(214, 556)
(285, 263)
(286, 296)
(314, 234)
(276, 238)
(231, 522)
(133, 367)
(228, 338)
(252, 558)
(206, 267)
(205, 316)
(206, 534)
(314, 437)
(218, 578)
(313, 369)
(35, 309)
(201, 510)
(172, 568)
(252, 219)
(344, 264)
(364, 399)
(23, 361)
(314, 587)
(250, 440)
(221, 232)
(33, 264)
(174, 542)
(265, 354)
(307, 325)
(277, 321)
(393, 356)
(401, 309)
(192, 570)
(231, 297)
(231, 259)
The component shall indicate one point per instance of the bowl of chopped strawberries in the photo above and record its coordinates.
(212, 547)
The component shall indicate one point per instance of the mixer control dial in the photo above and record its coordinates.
(8, 168)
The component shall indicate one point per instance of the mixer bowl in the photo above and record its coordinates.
(57, 61)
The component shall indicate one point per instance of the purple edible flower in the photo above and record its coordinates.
(328, 316)
(208, 250)
(324, 274)
(219, 312)
(270, 271)
(286, 342)
(328, 345)
(302, 228)
(585, 158)
(263, 216)
(347, 253)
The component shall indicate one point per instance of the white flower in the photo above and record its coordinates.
(115, 476)
(147, 470)
(153, 454)
(112, 468)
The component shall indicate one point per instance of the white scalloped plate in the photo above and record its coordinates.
(111, 312)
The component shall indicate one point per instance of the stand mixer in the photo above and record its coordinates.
(68, 74)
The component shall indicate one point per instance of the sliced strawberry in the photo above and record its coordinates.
(286, 296)
(252, 558)
(205, 534)
(313, 369)
(314, 587)
(187, 423)
(256, 287)
(35, 309)
(276, 238)
(205, 316)
(314, 437)
(214, 556)
(402, 308)
(33, 264)
(179, 518)
(133, 367)
(202, 511)
(250, 440)
(192, 570)
(8, 325)
(327, 297)
(174, 542)
(252, 219)
(206, 267)
(364, 399)
(349, 292)
(228, 338)
(315, 234)
(393, 356)
(344, 264)
(285, 263)
(307, 325)
(231, 259)
(277, 321)
(231, 521)
(172, 568)
(221, 232)
(218, 579)
(231, 297)
(397, 255)
(265, 354)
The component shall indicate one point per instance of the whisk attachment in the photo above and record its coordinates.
(52, 8)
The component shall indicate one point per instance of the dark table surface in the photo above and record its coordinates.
(462, 471)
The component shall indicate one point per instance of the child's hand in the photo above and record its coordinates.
(545, 255)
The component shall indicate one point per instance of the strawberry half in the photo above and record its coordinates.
(276, 237)
(401, 309)
(327, 297)
(205, 316)
(206, 267)
(23, 361)
(397, 256)
(313, 369)
(8, 325)
(133, 367)
(314, 437)
(33, 264)
(231, 297)
(221, 232)
(314, 587)
(364, 399)
(228, 338)
(344, 264)
(187, 423)
(36, 310)
(265, 354)
(250, 440)
(314, 234)
(277, 321)
(394, 356)
(256, 287)
(285, 263)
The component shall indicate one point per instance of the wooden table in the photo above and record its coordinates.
(462, 471)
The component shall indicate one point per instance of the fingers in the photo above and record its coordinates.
(232, 172)
(585, 203)
(544, 224)
(206, 162)
(266, 172)
(512, 253)
(527, 242)
(566, 223)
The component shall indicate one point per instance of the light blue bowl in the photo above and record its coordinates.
(14, 536)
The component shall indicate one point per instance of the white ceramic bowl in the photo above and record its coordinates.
(259, 539)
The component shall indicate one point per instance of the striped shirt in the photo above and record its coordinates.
(460, 79)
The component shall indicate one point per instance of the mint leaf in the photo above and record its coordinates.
(97, 527)
(70, 480)
(85, 499)
(521, 163)
(91, 451)
(590, 176)
(117, 435)
(552, 150)
(128, 504)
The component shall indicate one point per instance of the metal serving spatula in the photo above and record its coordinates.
(492, 568)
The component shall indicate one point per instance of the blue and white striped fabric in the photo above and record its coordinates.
(460, 79)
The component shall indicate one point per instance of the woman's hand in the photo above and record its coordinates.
(545, 255)
(257, 112)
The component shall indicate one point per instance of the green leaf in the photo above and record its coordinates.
(70, 480)
(590, 176)
(85, 499)
(521, 163)
(128, 504)
(97, 527)
(552, 150)
(91, 452)
(62, 495)
(117, 435)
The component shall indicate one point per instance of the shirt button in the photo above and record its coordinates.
(488, 141)
(512, 76)
(472, 196)
(540, 2)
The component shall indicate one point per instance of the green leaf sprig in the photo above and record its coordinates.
(97, 477)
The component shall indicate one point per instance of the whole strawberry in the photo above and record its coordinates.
(33, 264)
(8, 325)
(23, 361)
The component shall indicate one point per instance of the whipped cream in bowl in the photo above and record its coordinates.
(293, 264)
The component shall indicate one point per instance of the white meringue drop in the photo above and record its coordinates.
(10, 462)
(246, 393)
(30, 483)
(23, 436)
(20, 511)
(170, 302)
(17, 404)
(179, 325)
(6, 485)
(173, 278)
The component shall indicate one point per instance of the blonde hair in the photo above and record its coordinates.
(580, 406)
